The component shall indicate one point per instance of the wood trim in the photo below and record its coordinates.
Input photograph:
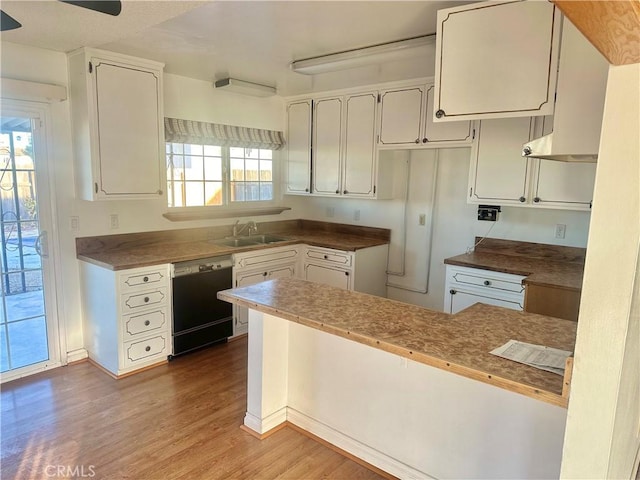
(613, 27)
(262, 436)
(566, 382)
(344, 453)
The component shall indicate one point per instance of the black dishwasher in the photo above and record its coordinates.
(199, 318)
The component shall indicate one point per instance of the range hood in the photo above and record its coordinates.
(577, 119)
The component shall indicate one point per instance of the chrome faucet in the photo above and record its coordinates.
(238, 229)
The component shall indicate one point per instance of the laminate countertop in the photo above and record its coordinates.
(544, 265)
(119, 252)
(457, 343)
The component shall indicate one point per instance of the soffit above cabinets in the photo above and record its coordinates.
(255, 41)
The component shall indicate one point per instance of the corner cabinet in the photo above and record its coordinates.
(499, 174)
(118, 125)
(126, 317)
(406, 120)
(516, 79)
(331, 148)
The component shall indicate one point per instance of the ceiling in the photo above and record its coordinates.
(250, 40)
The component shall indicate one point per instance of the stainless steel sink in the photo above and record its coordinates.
(247, 241)
(268, 238)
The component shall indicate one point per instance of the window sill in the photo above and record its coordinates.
(206, 214)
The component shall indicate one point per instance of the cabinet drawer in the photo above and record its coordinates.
(484, 279)
(144, 323)
(141, 300)
(264, 257)
(144, 279)
(144, 350)
(333, 257)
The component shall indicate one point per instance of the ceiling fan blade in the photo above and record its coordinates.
(7, 22)
(110, 7)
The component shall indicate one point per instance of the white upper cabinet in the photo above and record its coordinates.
(500, 175)
(118, 125)
(360, 165)
(406, 120)
(327, 142)
(496, 60)
(299, 147)
(401, 116)
(343, 160)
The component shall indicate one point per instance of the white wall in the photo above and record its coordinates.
(184, 98)
(603, 423)
(455, 225)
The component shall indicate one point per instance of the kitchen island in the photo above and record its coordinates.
(412, 391)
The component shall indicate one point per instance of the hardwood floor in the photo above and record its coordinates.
(177, 421)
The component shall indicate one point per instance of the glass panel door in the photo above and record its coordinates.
(23, 324)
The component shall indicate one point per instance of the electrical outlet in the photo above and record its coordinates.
(114, 221)
(488, 212)
(330, 212)
(422, 219)
(74, 223)
(356, 215)
(561, 230)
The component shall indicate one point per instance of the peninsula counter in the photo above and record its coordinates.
(411, 391)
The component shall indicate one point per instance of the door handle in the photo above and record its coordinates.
(41, 245)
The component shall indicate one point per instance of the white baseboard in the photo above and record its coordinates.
(77, 355)
(354, 447)
(268, 423)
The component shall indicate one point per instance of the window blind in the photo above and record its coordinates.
(189, 131)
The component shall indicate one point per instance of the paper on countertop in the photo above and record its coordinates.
(538, 356)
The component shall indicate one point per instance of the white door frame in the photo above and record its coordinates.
(46, 199)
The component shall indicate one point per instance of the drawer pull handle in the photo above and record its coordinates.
(326, 257)
(452, 291)
(147, 348)
(264, 274)
(487, 283)
(147, 323)
(346, 273)
(146, 299)
(145, 279)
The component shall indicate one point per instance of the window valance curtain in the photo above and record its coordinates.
(189, 131)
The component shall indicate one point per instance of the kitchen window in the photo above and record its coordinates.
(216, 165)
(212, 175)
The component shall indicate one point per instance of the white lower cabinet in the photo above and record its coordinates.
(126, 316)
(363, 270)
(258, 266)
(466, 286)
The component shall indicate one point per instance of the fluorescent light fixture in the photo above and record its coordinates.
(245, 88)
(384, 52)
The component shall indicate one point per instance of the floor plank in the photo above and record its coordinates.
(177, 421)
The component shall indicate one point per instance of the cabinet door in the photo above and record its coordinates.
(327, 143)
(496, 59)
(561, 184)
(328, 276)
(128, 134)
(446, 132)
(299, 147)
(251, 278)
(567, 185)
(401, 114)
(499, 173)
(460, 300)
(360, 152)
